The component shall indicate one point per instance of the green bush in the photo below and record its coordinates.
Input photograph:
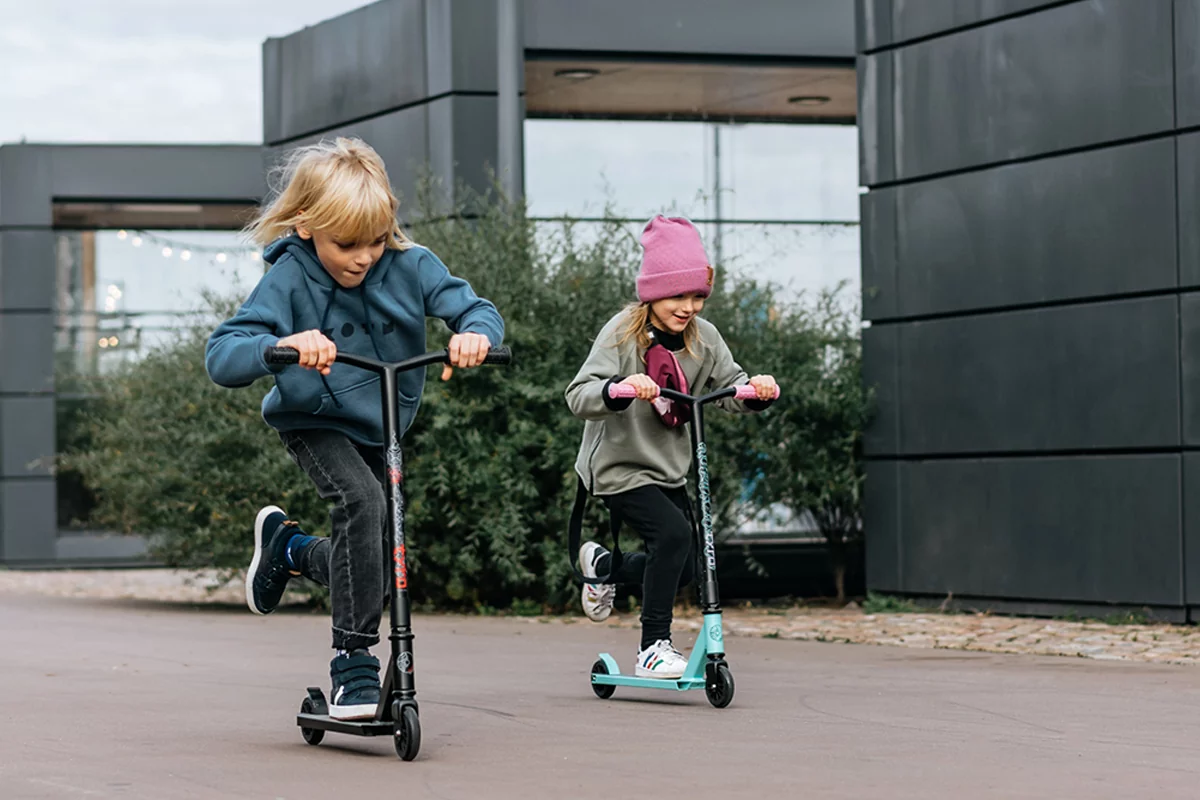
(489, 460)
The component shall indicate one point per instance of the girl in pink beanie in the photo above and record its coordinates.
(635, 457)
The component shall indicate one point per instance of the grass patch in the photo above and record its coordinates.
(887, 604)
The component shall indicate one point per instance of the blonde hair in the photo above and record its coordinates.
(637, 327)
(339, 187)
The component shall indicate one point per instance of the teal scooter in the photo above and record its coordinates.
(706, 668)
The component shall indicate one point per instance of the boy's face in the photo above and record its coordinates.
(346, 262)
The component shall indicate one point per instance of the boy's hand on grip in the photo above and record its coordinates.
(467, 350)
(316, 350)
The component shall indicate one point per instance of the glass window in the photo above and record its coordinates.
(123, 292)
(119, 294)
(788, 210)
(576, 168)
(789, 172)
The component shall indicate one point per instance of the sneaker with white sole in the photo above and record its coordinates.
(661, 660)
(355, 677)
(269, 571)
(597, 598)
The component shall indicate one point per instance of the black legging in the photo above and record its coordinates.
(662, 517)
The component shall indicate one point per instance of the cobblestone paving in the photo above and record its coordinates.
(1159, 643)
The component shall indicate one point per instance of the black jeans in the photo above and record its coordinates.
(663, 518)
(351, 561)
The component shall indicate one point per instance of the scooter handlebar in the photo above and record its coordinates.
(748, 392)
(497, 356)
(282, 355)
(623, 391)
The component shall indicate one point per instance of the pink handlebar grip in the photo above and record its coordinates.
(747, 392)
(622, 391)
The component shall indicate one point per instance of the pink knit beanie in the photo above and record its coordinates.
(674, 261)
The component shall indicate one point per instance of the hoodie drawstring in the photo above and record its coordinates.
(370, 325)
(325, 319)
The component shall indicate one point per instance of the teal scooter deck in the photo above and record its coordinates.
(706, 669)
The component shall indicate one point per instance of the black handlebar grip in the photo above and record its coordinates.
(499, 356)
(282, 355)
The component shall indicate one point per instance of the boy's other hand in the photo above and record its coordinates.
(467, 350)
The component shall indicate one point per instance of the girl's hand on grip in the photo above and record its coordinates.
(646, 388)
(764, 385)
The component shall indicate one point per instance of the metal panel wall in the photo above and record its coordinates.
(415, 79)
(1029, 240)
(32, 178)
(1071, 76)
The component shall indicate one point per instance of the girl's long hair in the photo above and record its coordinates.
(637, 327)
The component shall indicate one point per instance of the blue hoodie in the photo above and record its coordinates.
(384, 318)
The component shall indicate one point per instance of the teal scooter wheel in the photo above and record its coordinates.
(602, 690)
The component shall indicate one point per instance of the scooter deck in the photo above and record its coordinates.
(680, 684)
(710, 640)
(355, 727)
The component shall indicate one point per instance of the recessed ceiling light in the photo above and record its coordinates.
(809, 100)
(576, 73)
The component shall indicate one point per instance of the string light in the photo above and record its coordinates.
(114, 294)
(169, 248)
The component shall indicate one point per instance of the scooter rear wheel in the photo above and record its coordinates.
(719, 686)
(311, 735)
(407, 733)
(602, 690)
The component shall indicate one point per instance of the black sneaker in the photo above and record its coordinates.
(269, 572)
(355, 685)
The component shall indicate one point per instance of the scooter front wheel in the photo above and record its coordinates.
(719, 686)
(407, 733)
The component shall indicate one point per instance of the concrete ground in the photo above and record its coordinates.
(127, 699)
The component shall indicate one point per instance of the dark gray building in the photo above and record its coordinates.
(1030, 260)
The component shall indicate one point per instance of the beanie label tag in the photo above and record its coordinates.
(710, 275)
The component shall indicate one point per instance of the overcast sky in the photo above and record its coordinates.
(141, 70)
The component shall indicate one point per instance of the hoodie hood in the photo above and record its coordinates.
(305, 253)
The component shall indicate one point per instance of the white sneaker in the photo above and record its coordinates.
(597, 598)
(661, 660)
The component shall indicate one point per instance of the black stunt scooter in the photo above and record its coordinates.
(397, 711)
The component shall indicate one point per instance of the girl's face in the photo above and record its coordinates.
(674, 313)
(346, 261)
